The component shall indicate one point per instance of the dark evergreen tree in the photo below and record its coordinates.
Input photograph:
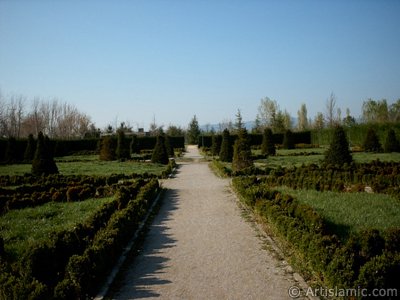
(371, 142)
(288, 140)
(11, 154)
(193, 131)
(391, 142)
(339, 151)
(168, 146)
(107, 148)
(226, 152)
(160, 154)
(43, 162)
(122, 152)
(30, 149)
(241, 152)
(216, 144)
(268, 145)
(134, 146)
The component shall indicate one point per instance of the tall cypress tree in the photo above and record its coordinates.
(268, 145)
(241, 152)
(43, 162)
(391, 142)
(30, 149)
(160, 154)
(193, 131)
(338, 152)
(226, 153)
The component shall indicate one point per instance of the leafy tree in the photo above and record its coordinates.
(216, 144)
(160, 154)
(391, 142)
(339, 151)
(288, 140)
(226, 152)
(241, 152)
(43, 162)
(107, 148)
(11, 150)
(302, 117)
(122, 151)
(30, 149)
(193, 131)
(375, 111)
(371, 142)
(268, 145)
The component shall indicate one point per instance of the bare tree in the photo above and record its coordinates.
(330, 110)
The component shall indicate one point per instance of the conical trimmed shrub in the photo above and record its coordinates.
(268, 145)
(107, 150)
(11, 151)
(391, 142)
(123, 151)
(226, 152)
(339, 151)
(43, 162)
(216, 144)
(241, 152)
(288, 140)
(371, 142)
(160, 154)
(29, 153)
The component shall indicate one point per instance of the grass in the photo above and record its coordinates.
(89, 165)
(289, 158)
(351, 212)
(22, 227)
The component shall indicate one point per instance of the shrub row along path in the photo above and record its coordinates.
(199, 246)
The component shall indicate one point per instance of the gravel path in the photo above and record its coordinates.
(200, 247)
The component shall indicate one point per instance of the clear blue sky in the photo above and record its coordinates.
(130, 60)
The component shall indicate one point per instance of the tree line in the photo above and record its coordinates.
(53, 118)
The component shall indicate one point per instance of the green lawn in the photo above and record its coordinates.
(89, 165)
(351, 212)
(289, 158)
(22, 227)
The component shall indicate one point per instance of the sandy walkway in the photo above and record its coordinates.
(200, 247)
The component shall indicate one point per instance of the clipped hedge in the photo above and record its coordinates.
(303, 137)
(369, 259)
(71, 264)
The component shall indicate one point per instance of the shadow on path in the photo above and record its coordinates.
(143, 271)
